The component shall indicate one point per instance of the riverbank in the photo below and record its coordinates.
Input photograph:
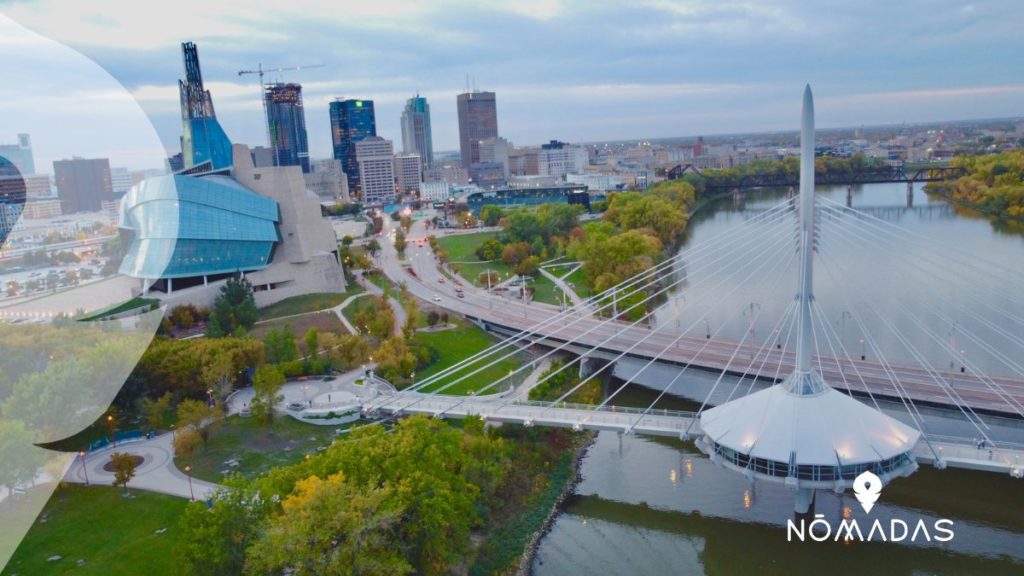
(980, 209)
(567, 489)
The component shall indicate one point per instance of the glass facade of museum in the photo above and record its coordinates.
(185, 226)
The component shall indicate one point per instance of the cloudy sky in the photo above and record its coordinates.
(572, 70)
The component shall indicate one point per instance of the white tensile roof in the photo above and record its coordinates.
(828, 428)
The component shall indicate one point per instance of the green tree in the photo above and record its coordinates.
(20, 459)
(490, 215)
(331, 527)
(400, 242)
(312, 340)
(124, 465)
(185, 442)
(200, 416)
(266, 386)
(279, 346)
(214, 539)
(234, 309)
(157, 411)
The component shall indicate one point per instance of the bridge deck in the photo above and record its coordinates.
(952, 452)
(1004, 396)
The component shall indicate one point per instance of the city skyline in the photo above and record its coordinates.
(661, 70)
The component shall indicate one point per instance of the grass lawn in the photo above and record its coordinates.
(575, 280)
(458, 344)
(460, 250)
(357, 306)
(114, 535)
(322, 321)
(123, 307)
(256, 448)
(307, 303)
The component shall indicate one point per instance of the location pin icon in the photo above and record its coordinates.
(866, 488)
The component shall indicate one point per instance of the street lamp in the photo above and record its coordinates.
(707, 329)
(188, 472)
(862, 353)
(85, 469)
(110, 429)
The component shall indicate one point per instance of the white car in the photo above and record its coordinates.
(437, 298)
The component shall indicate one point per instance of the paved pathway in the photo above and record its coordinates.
(156, 474)
(338, 312)
(573, 296)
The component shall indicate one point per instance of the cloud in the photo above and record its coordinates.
(576, 67)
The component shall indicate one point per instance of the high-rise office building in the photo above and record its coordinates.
(204, 145)
(286, 122)
(478, 120)
(496, 150)
(376, 169)
(351, 121)
(416, 137)
(408, 172)
(20, 154)
(83, 184)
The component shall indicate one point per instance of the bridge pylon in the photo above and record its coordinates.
(801, 432)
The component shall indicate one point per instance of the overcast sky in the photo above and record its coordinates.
(575, 71)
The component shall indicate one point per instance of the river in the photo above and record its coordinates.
(657, 506)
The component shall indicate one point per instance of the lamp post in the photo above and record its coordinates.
(862, 353)
(110, 429)
(85, 469)
(188, 472)
(707, 329)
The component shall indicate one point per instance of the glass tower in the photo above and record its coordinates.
(416, 137)
(286, 121)
(351, 122)
(204, 145)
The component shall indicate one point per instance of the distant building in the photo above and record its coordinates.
(42, 209)
(204, 145)
(20, 154)
(488, 174)
(435, 191)
(558, 159)
(375, 156)
(12, 197)
(262, 156)
(495, 150)
(453, 174)
(596, 182)
(478, 120)
(176, 162)
(416, 137)
(38, 186)
(120, 180)
(351, 122)
(327, 180)
(407, 172)
(286, 122)
(83, 184)
(523, 161)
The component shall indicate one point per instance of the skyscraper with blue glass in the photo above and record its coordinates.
(286, 122)
(204, 145)
(416, 138)
(351, 122)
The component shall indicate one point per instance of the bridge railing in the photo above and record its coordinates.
(608, 409)
(973, 443)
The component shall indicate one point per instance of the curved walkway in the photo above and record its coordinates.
(156, 474)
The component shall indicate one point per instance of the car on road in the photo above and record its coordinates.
(437, 298)
(440, 279)
(460, 294)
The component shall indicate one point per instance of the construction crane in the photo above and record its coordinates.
(261, 71)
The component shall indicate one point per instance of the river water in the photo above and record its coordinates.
(657, 506)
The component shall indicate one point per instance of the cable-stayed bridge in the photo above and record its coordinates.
(805, 430)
